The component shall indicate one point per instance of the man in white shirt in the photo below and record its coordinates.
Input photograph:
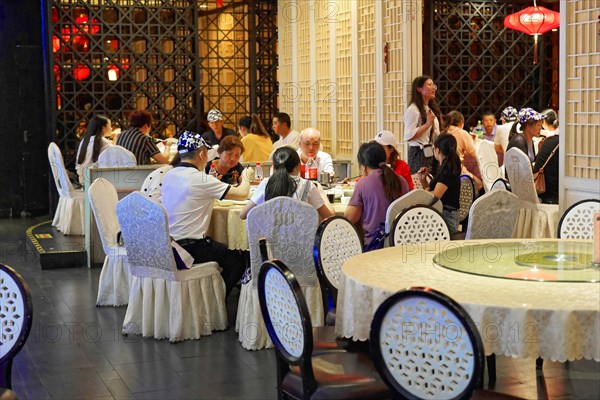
(282, 125)
(508, 118)
(310, 143)
(188, 195)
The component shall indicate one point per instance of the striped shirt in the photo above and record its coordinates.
(139, 144)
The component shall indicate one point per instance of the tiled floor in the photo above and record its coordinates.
(76, 350)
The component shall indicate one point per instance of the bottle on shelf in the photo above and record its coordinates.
(213, 171)
(312, 168)
(258, 173)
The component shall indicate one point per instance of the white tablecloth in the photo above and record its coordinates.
(227, 227)
(537, 220)
(553, 320)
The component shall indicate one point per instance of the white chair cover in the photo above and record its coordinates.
(69, 214)
(289, 225)
(419, 224)
(520, 175)
(165, 302)
(116, 156)
(412, 198)
(577, 221)
(499, 183)
(153, 182)
(488, 164)
(113, 287)
(493, 216)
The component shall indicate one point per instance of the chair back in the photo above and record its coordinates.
(145, 230)
(466, 196)
(493, 216)
(286, 317)
(419, 224)
(103, 202)
(520, 175)
(426, 346)
(153, 182)
(488, 164)
(116, 156)
(412, 198)
(336, 241)
(416, 181)
(289, 226)
(59, 172)
(502, 184)
(16, 316)
(577, 222)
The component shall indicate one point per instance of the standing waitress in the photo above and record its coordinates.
(422, 123)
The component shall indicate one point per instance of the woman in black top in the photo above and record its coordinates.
(530, 122)
(229, 169)
(446, 184)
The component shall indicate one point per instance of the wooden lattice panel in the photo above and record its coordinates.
(582, 127)
(286, 48)
(366, 70)
(343, 67)
(303, 61)
(324, 86)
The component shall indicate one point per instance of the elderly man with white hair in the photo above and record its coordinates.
(310, 143)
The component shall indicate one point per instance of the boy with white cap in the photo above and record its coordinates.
(188, 195)
(217, 131)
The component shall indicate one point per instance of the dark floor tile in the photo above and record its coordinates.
(130, 349)
(30, 391)
(177, 393)
(118, 389)
(247, 389)
(149, 376)
(56, 357)
(74, 383)
(212, 370)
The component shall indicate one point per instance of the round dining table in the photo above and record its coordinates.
(528, 298)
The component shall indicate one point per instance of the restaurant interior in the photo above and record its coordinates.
(100, 301)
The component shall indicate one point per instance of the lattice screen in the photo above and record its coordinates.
(286, 46)
(324, 86)
(366, 65)
(302, 86)
(113, 57)
(343, 67)
(478, 64)
(582, 130)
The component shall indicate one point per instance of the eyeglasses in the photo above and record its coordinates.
(433, 86)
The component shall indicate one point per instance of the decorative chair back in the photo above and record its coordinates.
(116, 156)
(493, 216)
(412, 198)
(488, 164)
(289, 226)
(153, 182)
(145, 230)
(287, 318)
(419, 224)
(16, 316)
(426, 346)
(577, 222)
(502, 184)
(103, 202)
(336, 241)
(59, 172)
(416, 181)
(467, 196)
(520, 175)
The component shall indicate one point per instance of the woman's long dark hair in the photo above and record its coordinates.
(446, 144)
(551, 117)
(257, 127)
(417, 99)
(285, 159)
(94, 129)
(373, 155)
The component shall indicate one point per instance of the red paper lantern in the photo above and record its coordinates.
(55, 43)
(81, 72)
(534, 21)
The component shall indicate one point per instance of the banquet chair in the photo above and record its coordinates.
(426, 346)
(466, 198)
(339, 374)
(416, 181)
(412, 198)
(577, 222)
(116, 156)
(16, 316)
(520, 175)
(113, 287)
(501, 183)
(336, 241)
(493, 216)
(289, 227)
(418, 224)
(164, 300)
(69, 214)
(488, 164)
(153, 182)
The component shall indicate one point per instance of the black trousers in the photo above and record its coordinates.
(232, 262)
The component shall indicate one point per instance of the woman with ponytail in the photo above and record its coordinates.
(446, 184)
(373, 193)
(286, 181)
(93, 143)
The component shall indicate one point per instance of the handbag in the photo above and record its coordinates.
(378, 239)
(539, 180)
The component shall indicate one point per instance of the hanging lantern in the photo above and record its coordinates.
(81, 72)
(533, 21)
(113, 73)
(55, 43)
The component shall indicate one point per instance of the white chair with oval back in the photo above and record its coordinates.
(467, 196)
(69, 215)
(116, 156)
(577, 222)
(289, 226)
(115, 278)
(493, 216)
(412, 198)
(488, 164)
(419, 224)
(520, 175)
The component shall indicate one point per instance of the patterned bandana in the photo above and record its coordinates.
(509, 114)
(525, 114)
(190, 141)
(214, 115)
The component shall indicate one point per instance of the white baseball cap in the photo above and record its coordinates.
(386, 138)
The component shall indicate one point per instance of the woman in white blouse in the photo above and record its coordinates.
(422, 123)
(93, 143)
